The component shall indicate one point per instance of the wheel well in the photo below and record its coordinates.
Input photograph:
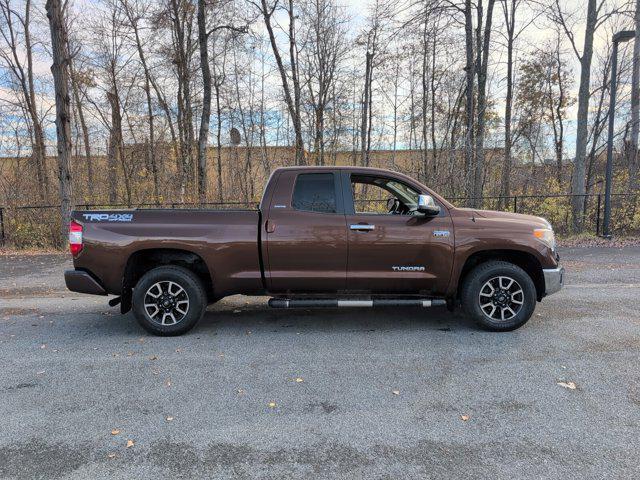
(524, 260)
(142, 261)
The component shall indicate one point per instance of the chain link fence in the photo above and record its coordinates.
(37, 226)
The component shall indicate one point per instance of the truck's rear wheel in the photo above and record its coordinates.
(169, 300)
(499, 295)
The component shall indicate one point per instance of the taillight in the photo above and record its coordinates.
(75, 238)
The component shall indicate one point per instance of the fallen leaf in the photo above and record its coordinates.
(569, 385)
(111, 455)
(40, 372)
(464, 417)
(169, 419)
(299, 380)
(167, 383)
(153, 357)
(130, 443)
(178, 350)
(240, 391)
(272, 404)
(43, 346)
(396, 392)
(115, 431)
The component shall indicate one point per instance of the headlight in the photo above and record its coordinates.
(547, 236)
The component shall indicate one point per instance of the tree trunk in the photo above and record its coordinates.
(425, 97)
(39, 150)
(151, 153)
(366, 102)
(205, 118)
(83, 126)
(559, 130)
(577, 183)
(113, 150)
(469, 110)
(434, 150)
(293, 102)
(219, 143)
(635, 105)
(60, 70)
(505, 184)
(483, 58)
(295, 78)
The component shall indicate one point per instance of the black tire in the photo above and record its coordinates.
(488, 279)
(160, 279)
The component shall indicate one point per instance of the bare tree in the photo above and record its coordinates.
(134, 13)
(60, 71)
(510, 12)
(482, 53)
(325, 46)
(635, 104)
(595, 17)
(204, 32)
(78, 101)
(292, 91)
(469, 99)
(181, 15)
(15, 32)
(381, 14)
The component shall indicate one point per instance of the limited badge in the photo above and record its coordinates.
(441, 233)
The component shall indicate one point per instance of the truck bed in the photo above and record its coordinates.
(226, 240)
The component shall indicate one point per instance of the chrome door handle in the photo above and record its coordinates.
(364, 228)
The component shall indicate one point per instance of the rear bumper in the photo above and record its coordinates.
(553, 280)
(82, 282)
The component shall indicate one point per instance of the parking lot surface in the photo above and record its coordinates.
(259, 393)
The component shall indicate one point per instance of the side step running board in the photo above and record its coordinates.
(336, 303)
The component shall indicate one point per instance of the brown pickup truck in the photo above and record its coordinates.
(321, 237)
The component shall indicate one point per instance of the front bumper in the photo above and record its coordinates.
(82, 282)
(553, 280)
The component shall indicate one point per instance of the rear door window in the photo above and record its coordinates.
(315, 192)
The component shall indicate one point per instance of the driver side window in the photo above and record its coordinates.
(382, 196)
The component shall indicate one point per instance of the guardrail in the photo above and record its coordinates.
(38, 225)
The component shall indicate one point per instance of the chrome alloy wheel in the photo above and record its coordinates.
(501, 298)
(166, 303)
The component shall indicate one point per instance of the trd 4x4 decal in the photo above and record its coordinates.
(108, 217)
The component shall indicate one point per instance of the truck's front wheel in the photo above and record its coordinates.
(169, 300)
(499, 295)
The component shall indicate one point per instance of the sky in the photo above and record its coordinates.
(535, 35)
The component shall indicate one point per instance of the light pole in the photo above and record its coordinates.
(623, 36)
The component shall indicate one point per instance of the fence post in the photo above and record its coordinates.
(515, 204)
(2, 226)
(598, 215)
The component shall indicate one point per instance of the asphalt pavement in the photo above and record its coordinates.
(358, 394)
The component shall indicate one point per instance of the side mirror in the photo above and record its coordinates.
(427, 205)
